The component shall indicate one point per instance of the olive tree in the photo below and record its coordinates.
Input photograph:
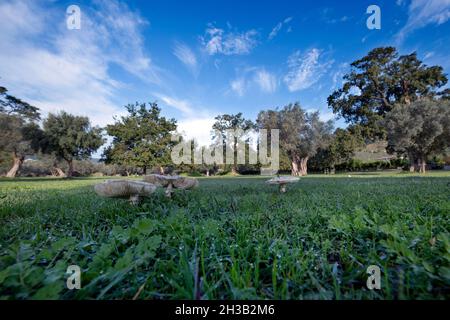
(70, 137)
(421, 129)
(19, 131)
(301, 134)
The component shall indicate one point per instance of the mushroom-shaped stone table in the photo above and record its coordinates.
(133, 190)
(282, 182)
(171, 182)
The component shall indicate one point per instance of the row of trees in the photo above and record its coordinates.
(384, 97)
(63, 136)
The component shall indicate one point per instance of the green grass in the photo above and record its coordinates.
(231, 238)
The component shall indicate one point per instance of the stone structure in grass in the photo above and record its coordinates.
(133, 190)
(282, 182)
(171, 182)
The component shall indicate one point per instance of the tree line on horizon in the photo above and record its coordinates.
(384, 97)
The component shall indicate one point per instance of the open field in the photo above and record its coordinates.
(230, 238)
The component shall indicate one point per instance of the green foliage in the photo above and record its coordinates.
(235, 122)
(380, 80)
(142, 138)
(230, 238)
(301, 134)
(11, 105)
(70, 137)
(290, 121)
(20, 135)
(341, 147)
(419, 130)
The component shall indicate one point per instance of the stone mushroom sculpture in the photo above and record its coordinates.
(282, 182)
(133, 190)
(171, 182)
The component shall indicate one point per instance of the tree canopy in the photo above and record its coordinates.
(341, 148)
(378, 82)
(19, 131)
(234, 122)
(301, 133)
(14, 106)
(142, 138)
(419, 130)
(70, 137)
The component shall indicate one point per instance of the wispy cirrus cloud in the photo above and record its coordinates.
(278, 28)
(238, 86)
(305, 69)
(422, 13)
(181, 105)
(329, 16)
(253, 78)
(186, 56)
(219, 41)
(338, 75)
(266, 81)
(70, 69)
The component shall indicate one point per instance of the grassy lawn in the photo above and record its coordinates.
(230, 238)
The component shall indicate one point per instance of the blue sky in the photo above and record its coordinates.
(202, 58)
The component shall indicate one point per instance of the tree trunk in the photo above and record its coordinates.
(422, 164)
(144, 170)
(234, 170)
(56, 171)
(207, 173)
(60, 172)
(294, 168)
(70, 170)
(412, 164)
(18, 160)
(304, 166)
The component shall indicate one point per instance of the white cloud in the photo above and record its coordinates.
(253, 77)
(69, 69)
(186, 56)
(278, 28)
(191, 125)
(305, 69)
(338, 75)
(327, 115)
(323, 115)
(238, 86)
(266, 81)
(217, 41)
(428, 55)
(193, 122)
(198, 128)
(422, 13)
(275, 30)
(181, 105)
